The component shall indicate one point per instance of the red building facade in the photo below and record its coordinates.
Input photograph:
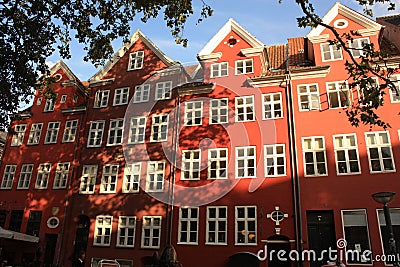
(247, 150)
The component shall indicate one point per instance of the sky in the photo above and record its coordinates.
(270, 22)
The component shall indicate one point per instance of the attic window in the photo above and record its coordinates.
(231, 41)
(341, 24)
(58, 77)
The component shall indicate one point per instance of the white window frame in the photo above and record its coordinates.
(314, 150)
(193, 113)
(271, 153)
(19, 135)
(131, 183)
(43, 176)
(115, 132)
(137, 131)
(88, 179)
(339, 92)
(332, 49)
(101, 98)
(155, 176)
(356, 46)
(121, 96)
(98, 133)
(152, 235)
(52, 132)
(312, 97)
(243, 107)
(246, 220)
(103, 231)
(25, 176)
(109, 179)
(49, 105)
(270, 109)
(8, 176)
(246, 63)
(191, 164)
(39, 101)
(157, 121)
(361, 92)
(244, 161)
(394, 98)
(126, 224)
(61, 177)
(219, 69)
(217, 220)
(186, 232)
(219, 111)
(217, 163)
(346, 147)
(70, 131)
(63, 99)
(136, 60)
(379, 145)
(35, 133)
(142, 93)
(163, 90)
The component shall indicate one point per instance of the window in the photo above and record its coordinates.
(246, 225)
(33, 226)
(61, 178)
(70, 131)
(16, 220)
(218, 163)
(395, 219)
(8, 176)
(49, 106)
(63, 99)
(369, 89)
(142, 93)
(88, 179)
(121, 96)
(136, 60)
(34, 134)
(163, 90)
(275, 160)
(219, 110)
(244, 66)
(95, 133)
(379, 152)
(131, 178)
(151, 231)
(25, 176)
(102, 234)
(246, 162)
(43, 174)
(314, 156)
(346, 154)
(244, 108)
(159, 128)
(126, 231)
(138, 130)
(101, 98)
(355, 228)
(39, 101)
(18, 136)
(115, 132)
(3, 217)
(216, 225)
(331, 52)
(109, 179)
(357, 45)
(219, 69)
(272, 106)
(75, 98)
(188, 225)
(191, 163)
(338, 94)
(155, 176)
(52, 133)
(193, 113)
(308, 97)
(395, 94)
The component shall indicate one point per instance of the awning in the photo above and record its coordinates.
(7, 234)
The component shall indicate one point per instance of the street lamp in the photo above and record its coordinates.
(385, 198)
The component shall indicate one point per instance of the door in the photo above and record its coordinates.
(81, 235)
(51, 243)
(278, 243)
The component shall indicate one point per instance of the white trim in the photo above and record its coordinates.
(244, 62)
(116, 130)
(344, 23)
(314, 151)
(151, 227)
(245, 158)
(379, 145)
(121, 92)
(103, 226)
(192, 109)
(155, 181)
(274, 157)
(309, 97)
(218, 159)
(159, 124)
(346, 147)
(217, 219)
(246, 220)
(187, 173)
(96, 132)
(188, 229)
(49, 225)
(271, 103)
(243, 106)
(125, 227)
(332, 49)
(339, 91)
(134, 171)
(90, 179)
(106, 185)
(26, 175)
(220, 106)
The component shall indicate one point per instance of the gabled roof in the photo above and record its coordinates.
(61, 65)
(231, 25)
(121, 52)
(349, 13)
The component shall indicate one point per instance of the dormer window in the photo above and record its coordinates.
(244, 66)
(330, 52)
(357, 45)
(136, 60)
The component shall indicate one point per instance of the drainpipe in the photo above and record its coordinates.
(294, 162)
